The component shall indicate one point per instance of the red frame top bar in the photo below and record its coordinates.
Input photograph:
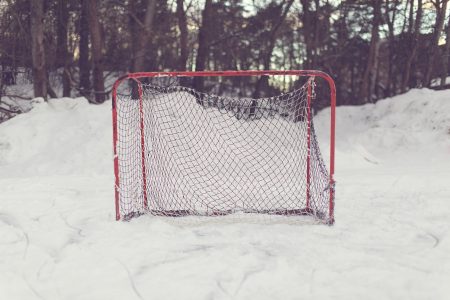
(226, 73)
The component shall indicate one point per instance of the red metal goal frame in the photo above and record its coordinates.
(303, 73)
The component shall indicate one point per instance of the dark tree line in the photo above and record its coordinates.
(373, 49)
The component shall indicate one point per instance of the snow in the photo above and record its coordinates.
(437, 81)
(391, 239)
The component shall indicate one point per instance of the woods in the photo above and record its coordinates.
(373, 49)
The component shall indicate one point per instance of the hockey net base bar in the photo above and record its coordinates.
(182, 152)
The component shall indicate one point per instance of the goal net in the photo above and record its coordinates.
(180, 151)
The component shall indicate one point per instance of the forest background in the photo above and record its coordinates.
(373, 49)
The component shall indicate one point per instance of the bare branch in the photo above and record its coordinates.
(17, 96)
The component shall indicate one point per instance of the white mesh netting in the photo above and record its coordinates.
(181, 152)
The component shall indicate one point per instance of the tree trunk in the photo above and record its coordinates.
(316, 34)
(368, 80)
(352, 85)
(445, 56)
(307, 20)
(411, 15)
(441, 9)
(203, 40)
(83, 62)
(97, 51)
(390, 81)
(263, 82)
(134, 30)
(37, 48)
(415, 44)
(62, 55)
(182, 25)
(143, 40)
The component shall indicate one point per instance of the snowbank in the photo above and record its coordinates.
(61, 136)
(69, 136)
(409, 126)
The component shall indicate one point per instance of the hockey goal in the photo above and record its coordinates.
(179, 151)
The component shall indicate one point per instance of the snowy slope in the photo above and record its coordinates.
(391, 239)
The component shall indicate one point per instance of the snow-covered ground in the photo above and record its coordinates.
(391, 239)
(437, 81)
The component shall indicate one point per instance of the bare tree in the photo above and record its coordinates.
(37, 48)
(411, 15)
(414, 45)
(309, 22)
(203, 40)
(441, 9)
(390, 16)
(446, 55)
(97, 51)
(263, 80)
(62, 54)
(141, 36)
(83, 61)
(182, 25)
(368, 80)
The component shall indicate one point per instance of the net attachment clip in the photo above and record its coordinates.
(330, 186)
(312, 82)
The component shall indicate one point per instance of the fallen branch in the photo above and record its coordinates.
(17, 96)
(6, 110)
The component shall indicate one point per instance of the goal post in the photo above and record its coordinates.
(181, 152)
